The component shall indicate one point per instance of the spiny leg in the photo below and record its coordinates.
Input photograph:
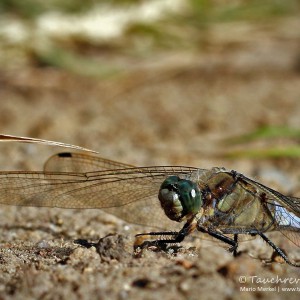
(235, 238)
(174, 237)
(278, 250)
(232, 242)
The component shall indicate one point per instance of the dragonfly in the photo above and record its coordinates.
(221, 203)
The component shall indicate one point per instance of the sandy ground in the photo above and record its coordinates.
(172, 108)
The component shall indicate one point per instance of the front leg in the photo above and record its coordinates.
(166, 237)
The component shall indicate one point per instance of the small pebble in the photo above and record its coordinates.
(43, 244)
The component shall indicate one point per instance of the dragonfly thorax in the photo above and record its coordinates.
(179, 198)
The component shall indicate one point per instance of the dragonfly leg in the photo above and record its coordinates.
(232, 242)
(278, 250)
(234, 251)
(165, 237)
(171, 237)
(162, 233)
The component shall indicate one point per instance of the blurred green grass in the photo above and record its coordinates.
(200, 12)
(282, 149)
(75, 63)
(265, 132)
(32, 8)
(207, 11)
(186, 29)
(182, 30)
(267, 153)
(140, 37)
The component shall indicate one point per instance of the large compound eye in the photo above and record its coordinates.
(179, 197)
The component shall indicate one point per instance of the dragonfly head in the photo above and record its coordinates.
(179, 198)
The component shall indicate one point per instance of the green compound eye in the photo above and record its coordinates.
(179, 198)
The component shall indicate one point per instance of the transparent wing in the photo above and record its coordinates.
(286, 211)
(288, 224)
(80, 162)
(130, 193)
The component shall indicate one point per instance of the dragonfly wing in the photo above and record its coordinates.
(147, 212)
(292, 203)
(80, 162)
(286, 211)
(288, 224)
(129, 193)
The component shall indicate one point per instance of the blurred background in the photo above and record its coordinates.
(193, 82)
(158, 82)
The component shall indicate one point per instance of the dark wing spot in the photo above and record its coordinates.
(65, 154)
